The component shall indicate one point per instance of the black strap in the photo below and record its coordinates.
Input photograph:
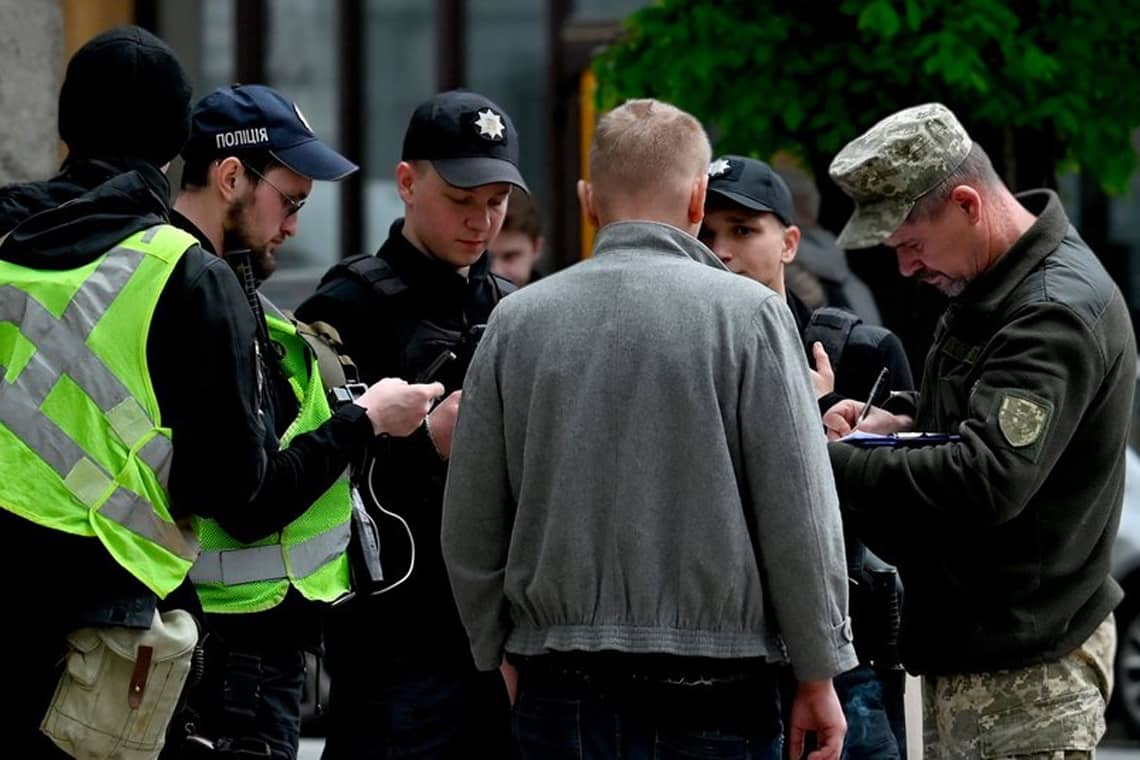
(832, 327)
(373, 271)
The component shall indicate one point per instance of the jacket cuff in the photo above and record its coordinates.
(425, 449)
(902, 403)
(352, 425)
(828, 400)
(843, 657)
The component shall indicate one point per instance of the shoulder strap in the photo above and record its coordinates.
(336, 367)
(373, 271)
(832, 327)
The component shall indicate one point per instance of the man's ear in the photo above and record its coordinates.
(228, 174)
(791, 244)
(539, 242)
(697, 199)
(586, 200)
(969, 201)
(405, 181)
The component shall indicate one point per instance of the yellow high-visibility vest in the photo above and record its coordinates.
(81, 439)
(309, 553)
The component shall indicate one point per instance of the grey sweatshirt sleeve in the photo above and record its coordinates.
(478, 509)
(798, 533)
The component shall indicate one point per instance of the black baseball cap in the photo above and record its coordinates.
(752, 184)
(468, 139)
(241, 118)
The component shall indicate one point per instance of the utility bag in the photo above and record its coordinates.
(120, 687)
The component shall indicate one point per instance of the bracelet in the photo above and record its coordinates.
(431, 440)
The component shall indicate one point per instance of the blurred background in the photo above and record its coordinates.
(1039, 83)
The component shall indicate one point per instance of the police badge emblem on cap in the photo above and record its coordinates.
(301, 116)
(490, 125)
(719, 167)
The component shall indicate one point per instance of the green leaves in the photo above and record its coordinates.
(806, 76)
(878, 16)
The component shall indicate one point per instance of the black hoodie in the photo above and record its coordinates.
(202, 364)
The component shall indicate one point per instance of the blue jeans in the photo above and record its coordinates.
(871, 722)
(560, 719)
(427, 715)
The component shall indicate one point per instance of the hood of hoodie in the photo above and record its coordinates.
(78, 215)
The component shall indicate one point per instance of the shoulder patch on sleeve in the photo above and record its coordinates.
(1022, 417)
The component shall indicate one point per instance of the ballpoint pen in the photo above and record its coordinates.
(882, 378)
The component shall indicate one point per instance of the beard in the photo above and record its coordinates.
(235, 236)
(264, 263)
(947, 285)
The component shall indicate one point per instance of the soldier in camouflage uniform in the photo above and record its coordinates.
(1002, 534)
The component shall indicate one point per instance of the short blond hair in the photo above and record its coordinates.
(647, 146)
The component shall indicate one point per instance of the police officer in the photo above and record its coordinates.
(403, 680)
(750, 225)
(1003, 535)
(124, 343)
(250, 164)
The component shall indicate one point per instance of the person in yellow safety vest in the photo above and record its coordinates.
(249, 167)
(123, 372)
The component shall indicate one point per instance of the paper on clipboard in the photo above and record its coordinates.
(896, 440)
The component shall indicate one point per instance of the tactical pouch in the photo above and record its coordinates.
(876, 604)
(364, 548)
(120, 688)
(335, 366)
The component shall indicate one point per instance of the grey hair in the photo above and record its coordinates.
(975, 170)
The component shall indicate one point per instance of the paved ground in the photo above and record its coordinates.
(311, 750)
(1117, 745)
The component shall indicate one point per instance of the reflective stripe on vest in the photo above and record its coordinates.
(267, 563)
(60, 349)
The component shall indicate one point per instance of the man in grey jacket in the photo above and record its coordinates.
(636, 515)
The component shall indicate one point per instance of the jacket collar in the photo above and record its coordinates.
(653, 238)
(182, 222)
(415, 267)
(988, 291)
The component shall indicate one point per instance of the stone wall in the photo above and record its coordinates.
(31, 41)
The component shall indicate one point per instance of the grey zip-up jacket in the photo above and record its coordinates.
(639, 466)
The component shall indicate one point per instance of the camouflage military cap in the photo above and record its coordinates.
(893, 164)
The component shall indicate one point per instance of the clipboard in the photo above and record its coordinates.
(897, 440)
